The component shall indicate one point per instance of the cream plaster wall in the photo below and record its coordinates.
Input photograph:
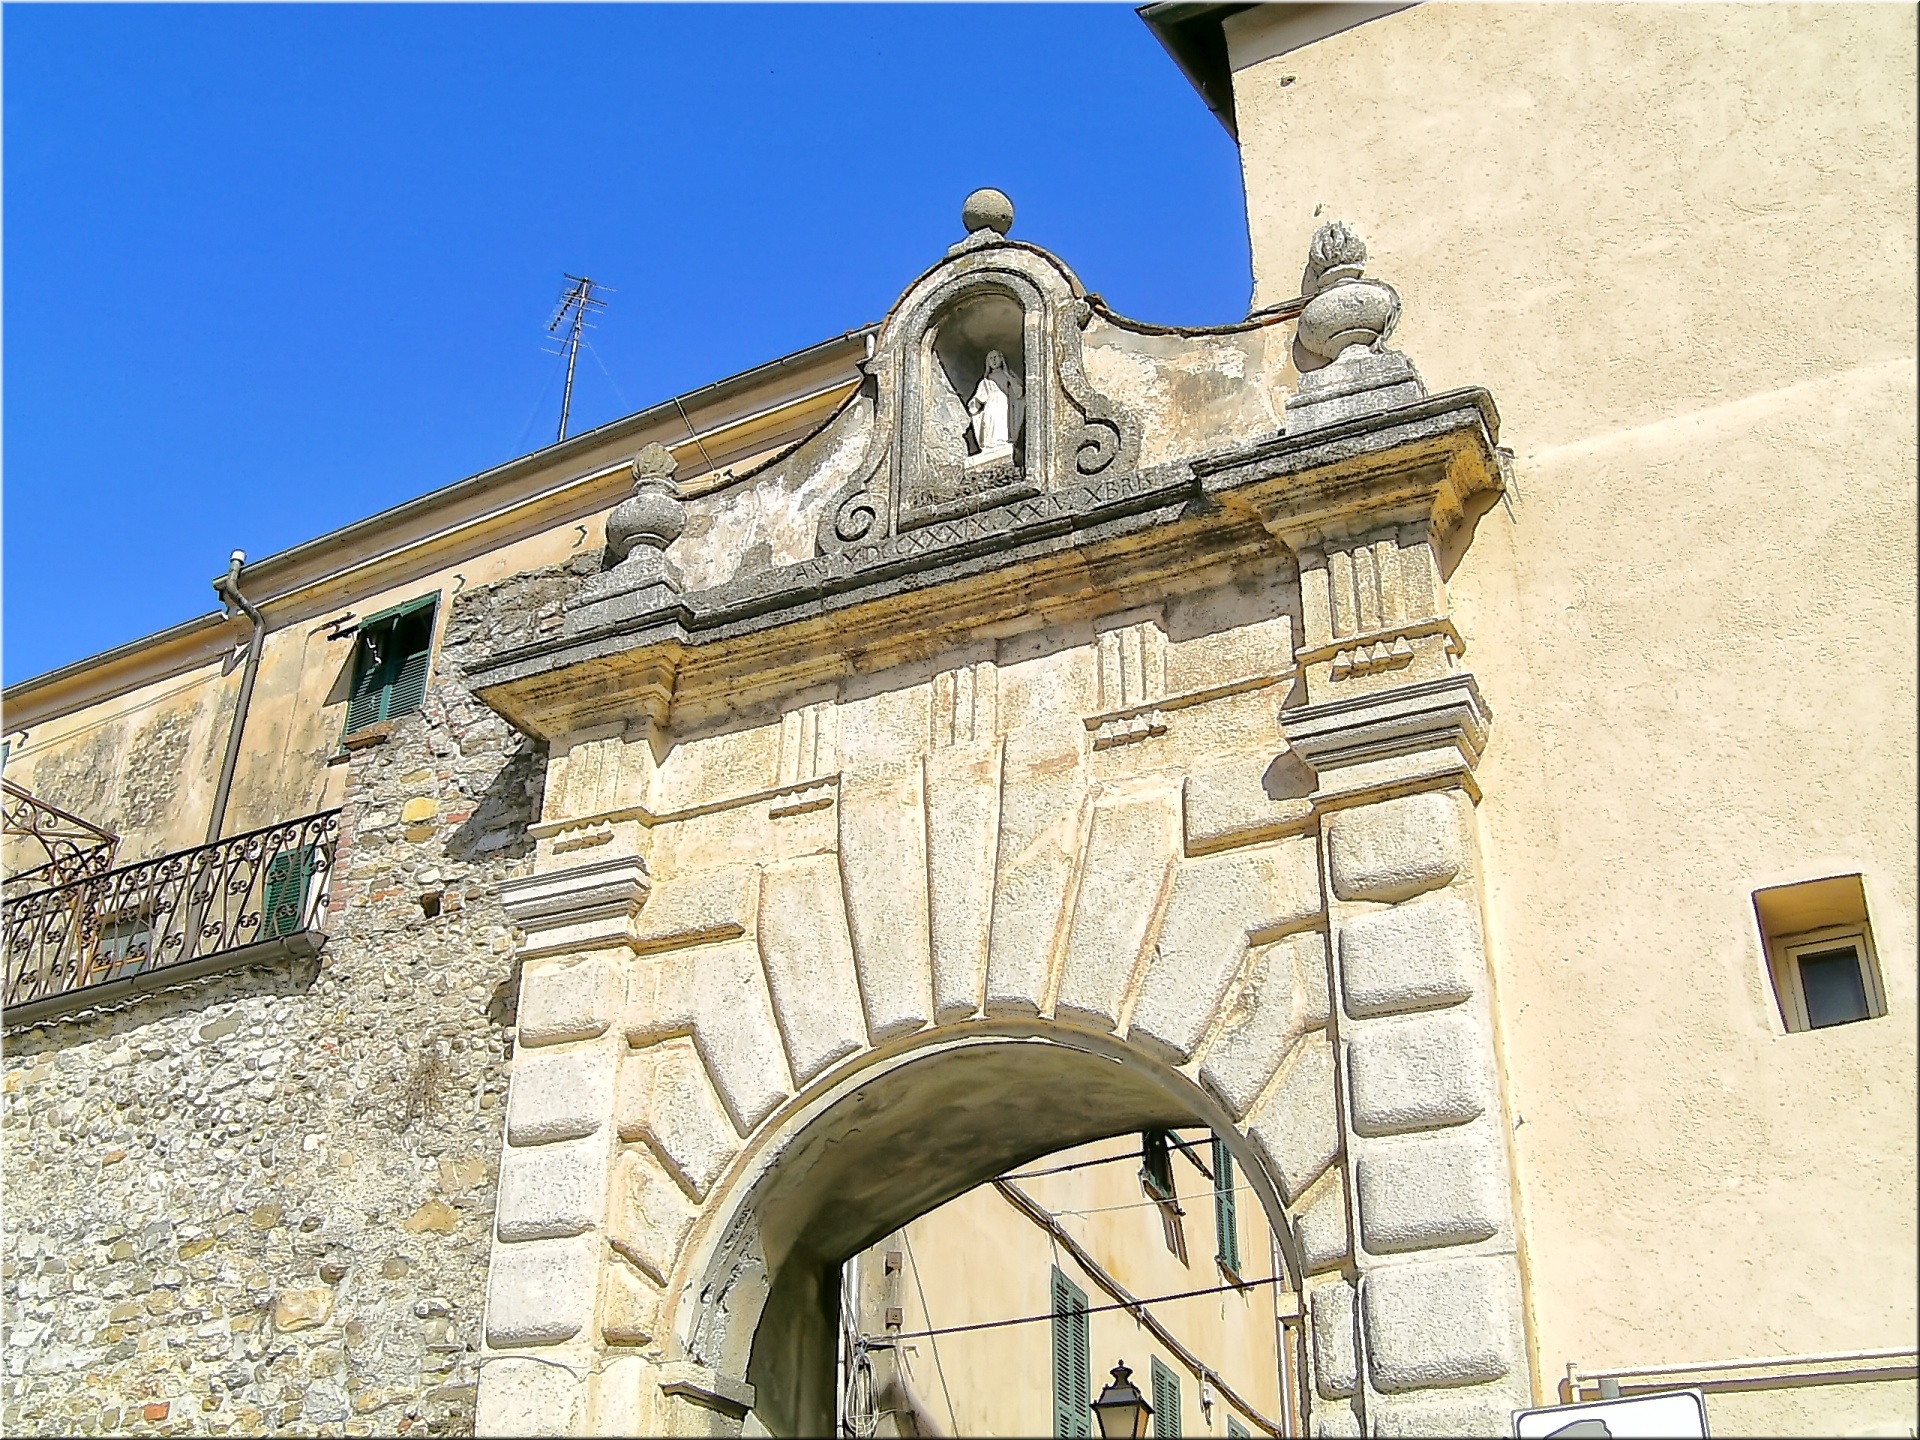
(1676, 242)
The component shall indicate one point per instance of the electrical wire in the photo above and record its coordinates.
(1085, 1164)
(521, 439)
(1138, 1204)
(1062, 1169)
(939, 1369)
(606, 372)
(1135, 1305)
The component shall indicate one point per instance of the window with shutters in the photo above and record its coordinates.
(390, 663)
(1226, 1220)
(1156, 1164)
(1072, 1360)
(283, 899)
(1235, 1430)
(1166, 1400)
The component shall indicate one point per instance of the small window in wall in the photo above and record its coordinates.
(1226, 1218)
(1235, 1430)
(1820, 952)
(1166, 1400)
(1072, 1360)
(390, 663)
(1156, 1164)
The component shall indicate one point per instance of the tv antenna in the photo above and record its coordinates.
(570, 323)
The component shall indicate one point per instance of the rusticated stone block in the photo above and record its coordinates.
(1479, 1411)
(527, 1397)
(1412, 957)
(1248, 800)
(1444, 1323)
(1424, 1073)
(1129, 854)
(566, 1002)
(1397, 849)
(1420, 1194)
(1296, 1127)
(685, 1119)
(690, 908)
(963, 806)
(720, 993)
(1321, 1229)
(650, 1217)
(541, 1292)
(1283, 997)
(632, 1310)
(1042, 827)
(883, 870)
(549, 1191)
(1336, 1422)
(1336, 1366)
(560, 1094)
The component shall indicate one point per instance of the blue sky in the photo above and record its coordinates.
(269, 269)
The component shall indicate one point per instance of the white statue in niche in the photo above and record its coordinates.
(998, 408)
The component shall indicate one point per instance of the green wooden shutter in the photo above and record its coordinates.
(1072, 1360)
(390, 664)
(1166, 1400)
(409, 686)
(1236, 1431)
(369, 693)
(1226, 1220)
(283, 899)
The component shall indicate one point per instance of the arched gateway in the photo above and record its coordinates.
(933, 806)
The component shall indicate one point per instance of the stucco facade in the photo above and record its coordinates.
(1675, 242)
(1360, 733)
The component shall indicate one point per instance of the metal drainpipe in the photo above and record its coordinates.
(227, 587)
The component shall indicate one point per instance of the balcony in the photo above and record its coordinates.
(245, 900)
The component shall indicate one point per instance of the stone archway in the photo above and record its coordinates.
(885, 1144)
(1161, 749)
(694, 1047)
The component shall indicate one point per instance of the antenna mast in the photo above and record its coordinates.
(571, 316)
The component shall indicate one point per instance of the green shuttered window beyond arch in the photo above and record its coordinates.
(1166, 1400)
(1072, 1360)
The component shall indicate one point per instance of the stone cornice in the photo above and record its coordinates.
(907, 596)
(583, 907)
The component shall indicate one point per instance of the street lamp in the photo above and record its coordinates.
(1122, 1410)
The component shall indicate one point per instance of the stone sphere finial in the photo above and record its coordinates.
(987, 209)
(653, 515)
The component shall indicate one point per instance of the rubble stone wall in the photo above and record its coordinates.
(262, 1202)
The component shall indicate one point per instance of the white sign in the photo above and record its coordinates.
(1676, 1413)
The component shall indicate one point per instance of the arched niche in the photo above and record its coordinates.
(884, 1146)
(918, 468)
(942, 468)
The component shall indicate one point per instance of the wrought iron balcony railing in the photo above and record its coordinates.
(256, 896)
